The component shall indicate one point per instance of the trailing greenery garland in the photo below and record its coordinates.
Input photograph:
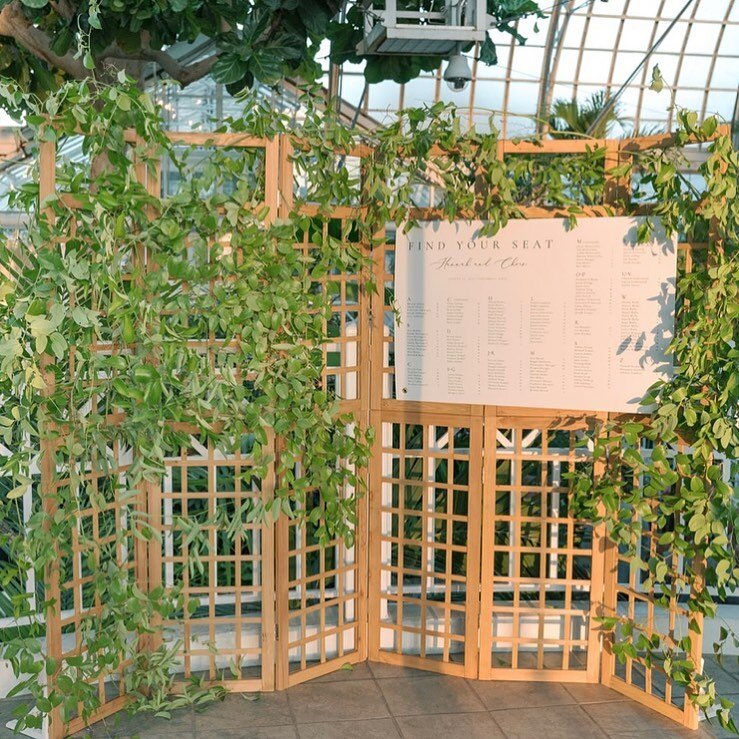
(218, 332)
(217, 270)
(665, 469)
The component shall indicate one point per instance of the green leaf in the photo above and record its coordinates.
(58, 345)
(229, 68)
(660, 571)
(488, 52)
(94, 20)
(266, 66)
(658, 83)
(18, 491)
(35, 3)
(722, 570)
(62, 41)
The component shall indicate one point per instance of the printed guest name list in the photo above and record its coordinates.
(540, 315)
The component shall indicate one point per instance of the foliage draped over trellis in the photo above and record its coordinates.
(216, 268)
(677, 486)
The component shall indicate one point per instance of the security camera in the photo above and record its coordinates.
(457, 74)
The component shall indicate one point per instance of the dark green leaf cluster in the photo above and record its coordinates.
(42, 43)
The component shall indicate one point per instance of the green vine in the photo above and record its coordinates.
(220, 323)
(665, 469)
(131, 322)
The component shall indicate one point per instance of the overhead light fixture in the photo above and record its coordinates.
(457, 74)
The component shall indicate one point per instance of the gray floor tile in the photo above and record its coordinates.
(439, 694)
(629, 719)
(8, 705)
(235, 712)
(714, 731)
(123, 724)
(713, 728)
(249, 732)
(554, 722)
(382, 671)
(497, 695)
(153, 733)
(5, 732)
(729, 663)
(375, 728)
(325, 702)
(359, 671)
(592, 693)
(354, 704)
(450, 726)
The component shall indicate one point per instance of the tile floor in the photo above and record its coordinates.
(383, 702)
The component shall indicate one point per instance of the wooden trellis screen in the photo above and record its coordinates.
(466, 559)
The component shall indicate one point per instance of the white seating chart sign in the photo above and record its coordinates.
(540, 315)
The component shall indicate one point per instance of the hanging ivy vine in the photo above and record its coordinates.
(131, 322)
(665, 472)
(218, 323)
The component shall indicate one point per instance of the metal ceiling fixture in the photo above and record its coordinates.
(438, 31)
(457, 74)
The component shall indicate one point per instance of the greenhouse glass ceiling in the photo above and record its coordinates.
(583, 47)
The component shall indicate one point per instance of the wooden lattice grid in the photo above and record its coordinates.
(103, 507)
(425, 552)
(320, 624)
(102, 536)
(229, 580)
(228, 636)
(321, 592)
(360, 368)
(541, 568)
(346, 328)
(660, 612)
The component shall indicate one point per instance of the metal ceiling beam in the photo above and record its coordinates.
(712, 68)
(678, 71)
(613, 100)
(542, 108)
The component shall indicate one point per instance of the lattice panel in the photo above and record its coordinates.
(538, 565)
(425, 555)
(470, 571)
(225, 573)
(630, 593)
(96, 510)
(98, 561)
(321, 608)
(224, 629)
(384, 327)
(321, 619)
(344, 353)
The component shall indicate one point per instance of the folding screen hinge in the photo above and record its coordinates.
(277, 633)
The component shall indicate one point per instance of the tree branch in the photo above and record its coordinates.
(13, 23)
(184, 74)
(63, 8)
